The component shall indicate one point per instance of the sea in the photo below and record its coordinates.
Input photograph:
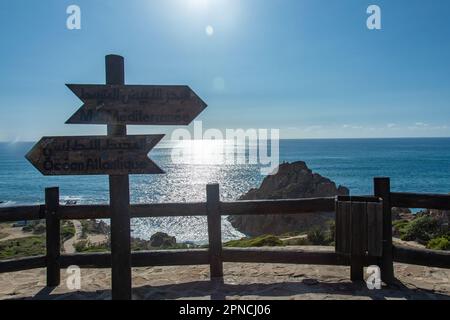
(413, 164)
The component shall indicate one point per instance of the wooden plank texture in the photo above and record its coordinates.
(94, 155)
(136, 104)
(53, 238)
(343, 230)
(375, 229)
(214, 230)
(420, 201)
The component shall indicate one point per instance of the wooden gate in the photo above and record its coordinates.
(359, 231)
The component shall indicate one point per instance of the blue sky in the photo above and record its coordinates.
(310, 68)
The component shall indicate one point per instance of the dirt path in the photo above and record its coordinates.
(69, 245)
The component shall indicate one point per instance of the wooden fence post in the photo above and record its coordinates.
(53, 245)
(382, 189)
(119, 201)
(214, 230)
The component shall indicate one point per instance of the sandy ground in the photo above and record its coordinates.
(14, 233)
(241, 281)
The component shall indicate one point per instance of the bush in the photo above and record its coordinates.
(67, 231)
(422, 230)
(439, 244)
(23, 247)
(262, 241)
(317, 237)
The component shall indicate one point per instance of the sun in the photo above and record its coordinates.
(198, 4)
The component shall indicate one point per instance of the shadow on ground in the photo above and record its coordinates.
(217, 290)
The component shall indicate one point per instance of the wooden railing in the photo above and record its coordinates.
(216, 255)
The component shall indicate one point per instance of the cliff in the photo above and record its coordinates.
(293, 180)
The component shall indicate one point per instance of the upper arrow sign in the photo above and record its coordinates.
(94, 155)
(136, 104)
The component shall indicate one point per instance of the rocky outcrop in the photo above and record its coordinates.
(293, 180)
(402, 214)
(162, 240)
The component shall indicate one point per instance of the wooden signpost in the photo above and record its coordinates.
(94, 155)
(117, 154)
(136, 105)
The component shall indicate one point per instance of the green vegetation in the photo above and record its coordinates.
(439, 244)
(262, 241)
(93, 227)
(422, 229)
(317, 237)
(425, 230)
(36, 227)
(23, 247)
(85, 246)
(67, 231)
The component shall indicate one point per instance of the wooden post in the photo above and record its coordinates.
(214, 230)
(53, 244)
(382, 189)
(119, 200)
(357, 241)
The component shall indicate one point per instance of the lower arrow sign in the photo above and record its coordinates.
(95, 155)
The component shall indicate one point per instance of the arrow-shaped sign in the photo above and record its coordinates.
(95, 155)
(136, 104)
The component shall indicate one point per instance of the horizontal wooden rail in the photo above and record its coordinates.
(168, 210)
(137, 211)
(22, 264)
(420, 201)
(283, 256)
(267, 207)
(421, 257)
(139, 259)
(82, 212)
(12, 214)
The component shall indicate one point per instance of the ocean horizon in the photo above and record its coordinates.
(413, 164)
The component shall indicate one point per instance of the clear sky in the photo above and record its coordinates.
(310, 68)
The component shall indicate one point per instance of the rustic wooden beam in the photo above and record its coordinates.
(19, 213)
(358, 199)
(283, 256)
(119, 201)
(22, 264)
(169, 210)
(422, 257)
(214, 230)
(81, 212)
(358, 241)
(170, 258)
(140, 259)
(382, 189)
(420, 201)
(53, 237)
(267, 207)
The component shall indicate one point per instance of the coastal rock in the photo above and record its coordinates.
(161, 239)
(292, 181)
(442, 215)
(402, 214)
